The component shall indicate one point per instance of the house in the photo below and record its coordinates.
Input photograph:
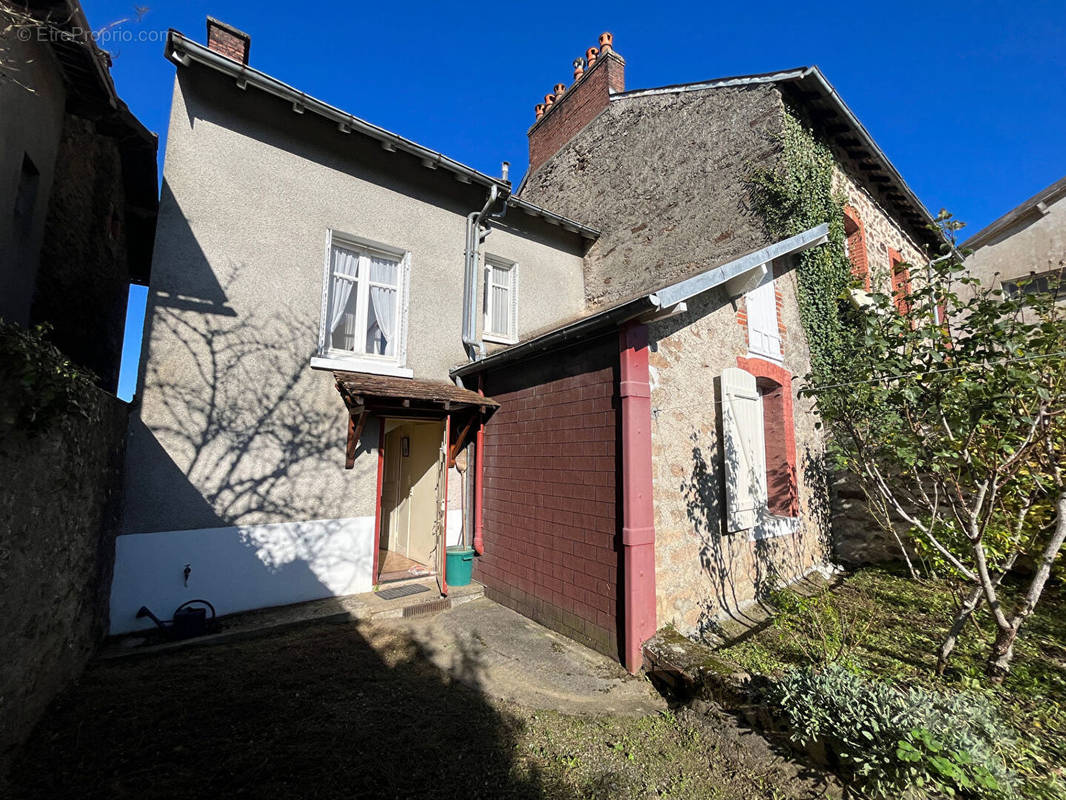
(1025, 247)
(594, 374)
(78, 192)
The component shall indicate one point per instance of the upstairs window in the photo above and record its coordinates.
(855, 247)
(901, 281)
(764, 334)
(365, 304)
(501, 301)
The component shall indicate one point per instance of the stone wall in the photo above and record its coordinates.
(56, 554)
(666, 179)
(83, 278)
(704, 573)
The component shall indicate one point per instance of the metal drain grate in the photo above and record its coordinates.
(432, 607)
(401, 591)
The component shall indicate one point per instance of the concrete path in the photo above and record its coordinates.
(510, 657)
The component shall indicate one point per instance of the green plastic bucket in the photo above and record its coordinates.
(460, 565)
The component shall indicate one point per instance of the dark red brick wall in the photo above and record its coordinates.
(576, 108)
(551, 520)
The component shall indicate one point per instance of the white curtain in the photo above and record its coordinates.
(383, 304)
(500, 282)
(345, 262)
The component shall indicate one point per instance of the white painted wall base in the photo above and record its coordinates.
(241, 568)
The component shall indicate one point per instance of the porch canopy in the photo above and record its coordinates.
(385, 396)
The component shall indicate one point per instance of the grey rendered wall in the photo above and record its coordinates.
(665, 178)
(30, 124)
(233, 427)
(1035, 243)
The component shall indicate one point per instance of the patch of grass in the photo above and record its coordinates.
(346, 710)
(910, 619)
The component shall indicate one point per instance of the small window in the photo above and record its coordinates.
(855, 247)
(901, 281)
(364, 314)
(764, 334)
(501, 301)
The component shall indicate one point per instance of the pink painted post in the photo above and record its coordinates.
(638, 512)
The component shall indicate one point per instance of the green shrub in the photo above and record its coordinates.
(900, 741)
(37, 382)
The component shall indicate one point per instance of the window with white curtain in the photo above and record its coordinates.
(364, 308)
(501, 300)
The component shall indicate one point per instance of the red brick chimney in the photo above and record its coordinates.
(228, 41)
(568, 111)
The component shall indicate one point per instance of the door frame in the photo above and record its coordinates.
(382, 423)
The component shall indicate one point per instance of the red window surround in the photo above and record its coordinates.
(856, 240)
(775, 385)
(901, 281)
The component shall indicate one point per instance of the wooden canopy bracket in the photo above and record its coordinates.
(355, 433)
(461, 440)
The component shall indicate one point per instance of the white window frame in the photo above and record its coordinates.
(331, 358)
(489, 335)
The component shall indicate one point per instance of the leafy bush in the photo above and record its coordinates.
(37, 382)
(897, 741)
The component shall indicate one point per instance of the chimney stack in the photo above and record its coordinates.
(228, 41)
(567, 111)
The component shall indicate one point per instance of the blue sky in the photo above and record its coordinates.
(968, 100)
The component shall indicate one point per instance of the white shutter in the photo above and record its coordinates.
(744, 449)
(764, 337)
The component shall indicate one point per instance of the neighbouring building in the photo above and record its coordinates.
(78, 191)
(1025, 247)
(78, 197)
(591, 380)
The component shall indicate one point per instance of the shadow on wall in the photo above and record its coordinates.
(328, 710)
(236, 454)
(742, 566)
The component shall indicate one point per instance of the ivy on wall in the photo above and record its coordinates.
(38, 384)
(793, 197)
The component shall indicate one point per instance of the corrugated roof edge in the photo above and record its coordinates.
(180, 50)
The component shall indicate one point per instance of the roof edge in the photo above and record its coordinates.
(181, 50)
(1000, 224)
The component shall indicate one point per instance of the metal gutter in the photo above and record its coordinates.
(657, 301)
(690, 287)
(551, 340)
(181, 50)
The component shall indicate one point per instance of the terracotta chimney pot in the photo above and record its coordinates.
(606, 41)
(590, 56)
(540, 110)
(560, 88)
(548, 100)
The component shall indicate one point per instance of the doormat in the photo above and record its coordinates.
(401, 591)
